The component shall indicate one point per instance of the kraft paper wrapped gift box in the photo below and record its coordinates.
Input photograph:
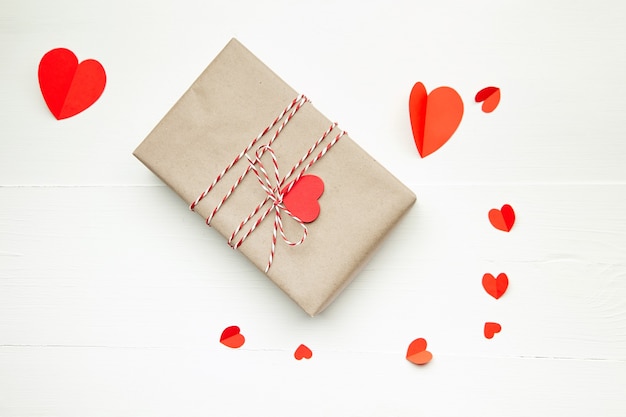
(231, 102)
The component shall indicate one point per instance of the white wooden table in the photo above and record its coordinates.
(113, 295)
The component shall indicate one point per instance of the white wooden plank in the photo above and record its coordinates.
(130, 266)
(560, 68)
(196, 381)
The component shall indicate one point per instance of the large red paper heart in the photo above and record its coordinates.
(232, 337)
(67, 86)
(417, 352)
(434, 117)
(502, 219)
(303, 352)
(301, 200)
(495, 287)
(491, 329)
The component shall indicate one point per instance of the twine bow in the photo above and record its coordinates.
(275, 195)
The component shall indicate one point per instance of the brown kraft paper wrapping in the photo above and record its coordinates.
(229, 104)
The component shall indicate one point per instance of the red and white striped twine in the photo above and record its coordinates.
(275, 193)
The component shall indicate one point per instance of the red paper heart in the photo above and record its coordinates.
(495, 287)
(502, 219)
(303, 352)
(434, 117)
(67, 86)
(301, 200)
(232, 337)
(491, 329)
(490, 97)
(417, 352)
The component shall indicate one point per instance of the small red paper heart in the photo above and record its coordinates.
(417, 353)
(303, 352)
(495, 287)
(502, 219)
(67, 86)
(232, 337)
(490, 97)
(301, 200)
(434, 117)
(491, 329)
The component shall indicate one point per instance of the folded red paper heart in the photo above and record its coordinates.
(69, 87)
(495, 286)
(502, 219)
(490, 97)
(491, 329)
(417, 353)
(434, 117)
(232, 337)
(303, 352)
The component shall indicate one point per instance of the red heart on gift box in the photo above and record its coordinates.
(67, 86)
(495, 287)
(301, 200)
(303, 352)
(502, 219)
(434, 117)
(491, 329)
(417, 352)
(232, 337)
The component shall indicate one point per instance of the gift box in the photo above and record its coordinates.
(281, 182)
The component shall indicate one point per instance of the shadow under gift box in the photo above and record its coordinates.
(230, 103)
